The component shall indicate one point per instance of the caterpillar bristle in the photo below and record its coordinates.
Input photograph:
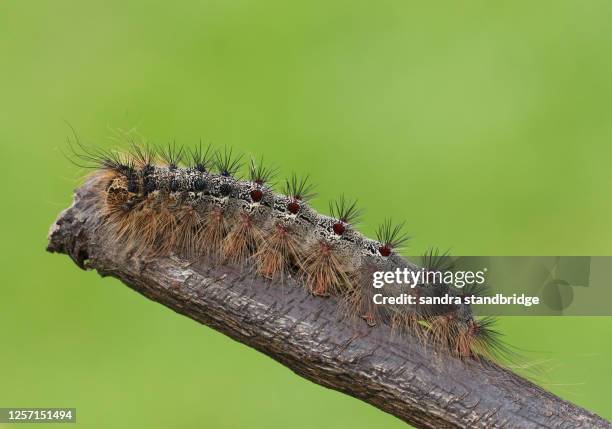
(166, 226)
(474, 289)
(325, 274)
(300, 191)
(242, 241)
(202, 159)
(357, 302)
(90, 158)
(172, 155)
(390, 237)
(144, 230)
(356, 305)
(463, 342)
(441, 331)
(259, 173)
(278, 253)
(190, 225)
(346, 212)
(143, 155)
(214, 230)
(226, 163)
(433, 260)
(190, 212)
(407, 322)
(299, 188)
(486, 342)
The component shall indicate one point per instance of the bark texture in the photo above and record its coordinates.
(398, 375)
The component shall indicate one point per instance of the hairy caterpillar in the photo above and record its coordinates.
(191, 203)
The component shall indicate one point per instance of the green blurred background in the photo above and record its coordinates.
(486, 125)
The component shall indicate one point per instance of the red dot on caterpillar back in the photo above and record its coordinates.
(293, 207)
(338, 228)
(385, 250)
(256, 195)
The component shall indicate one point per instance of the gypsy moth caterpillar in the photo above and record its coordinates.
(168, 201)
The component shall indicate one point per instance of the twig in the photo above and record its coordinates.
(398, 375)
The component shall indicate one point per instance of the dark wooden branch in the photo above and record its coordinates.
(398, 375)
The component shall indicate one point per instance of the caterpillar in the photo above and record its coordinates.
(192, 203)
